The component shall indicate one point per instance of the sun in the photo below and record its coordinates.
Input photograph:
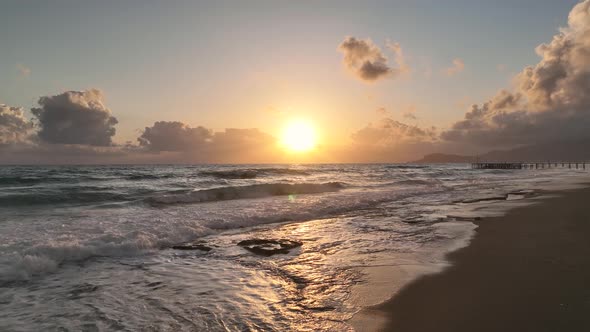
(299, 136)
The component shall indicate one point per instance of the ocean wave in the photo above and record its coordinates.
(54, 177)
(67, 196)
(418, 182)
(20, 181)
(49, 256)
(29, 181)
(242, 192)
(140, 177)
(407, 166)
(251, 173)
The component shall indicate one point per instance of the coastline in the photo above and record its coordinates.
(524, 271)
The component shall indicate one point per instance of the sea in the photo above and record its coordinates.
(233, 247)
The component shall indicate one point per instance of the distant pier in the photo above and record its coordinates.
(529, 165)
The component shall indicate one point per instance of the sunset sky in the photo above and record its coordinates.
(370, 78)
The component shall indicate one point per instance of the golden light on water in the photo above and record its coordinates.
(299, 136)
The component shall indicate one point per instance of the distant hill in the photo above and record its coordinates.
(557, 151)
(439, 158)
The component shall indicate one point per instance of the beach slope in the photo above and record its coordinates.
(526, 271)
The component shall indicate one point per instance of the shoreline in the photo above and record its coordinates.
(524, 271)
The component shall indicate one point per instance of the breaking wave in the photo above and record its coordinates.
(242, 192)
(47, 258)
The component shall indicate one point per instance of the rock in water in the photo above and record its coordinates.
(192, 246)
(269, 247)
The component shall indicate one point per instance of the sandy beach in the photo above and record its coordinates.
(526, 271)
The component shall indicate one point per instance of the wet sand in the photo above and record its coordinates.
(526, 271)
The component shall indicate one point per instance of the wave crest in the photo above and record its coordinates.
(242, 192)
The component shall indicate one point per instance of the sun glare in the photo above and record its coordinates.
(299, 136)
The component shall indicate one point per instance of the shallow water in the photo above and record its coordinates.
(89, 247)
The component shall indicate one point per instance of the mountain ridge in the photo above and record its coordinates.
(556, 151)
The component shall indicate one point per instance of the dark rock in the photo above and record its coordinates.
(192, 246)
(462, 218)
(414, 220)
(320, 309)
(269, 247)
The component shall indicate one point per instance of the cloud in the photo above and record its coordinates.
(382, 111)
(457, 67)
(389, 140)
(399, 57)
(75, 117)
(73, 127)
(234, 139)
(366, 60)
(550, 100)
(199, 144)
(387, 132)
(173, 136)
(14, 127)
(250, 145)
(410, 113)
(23, 70)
